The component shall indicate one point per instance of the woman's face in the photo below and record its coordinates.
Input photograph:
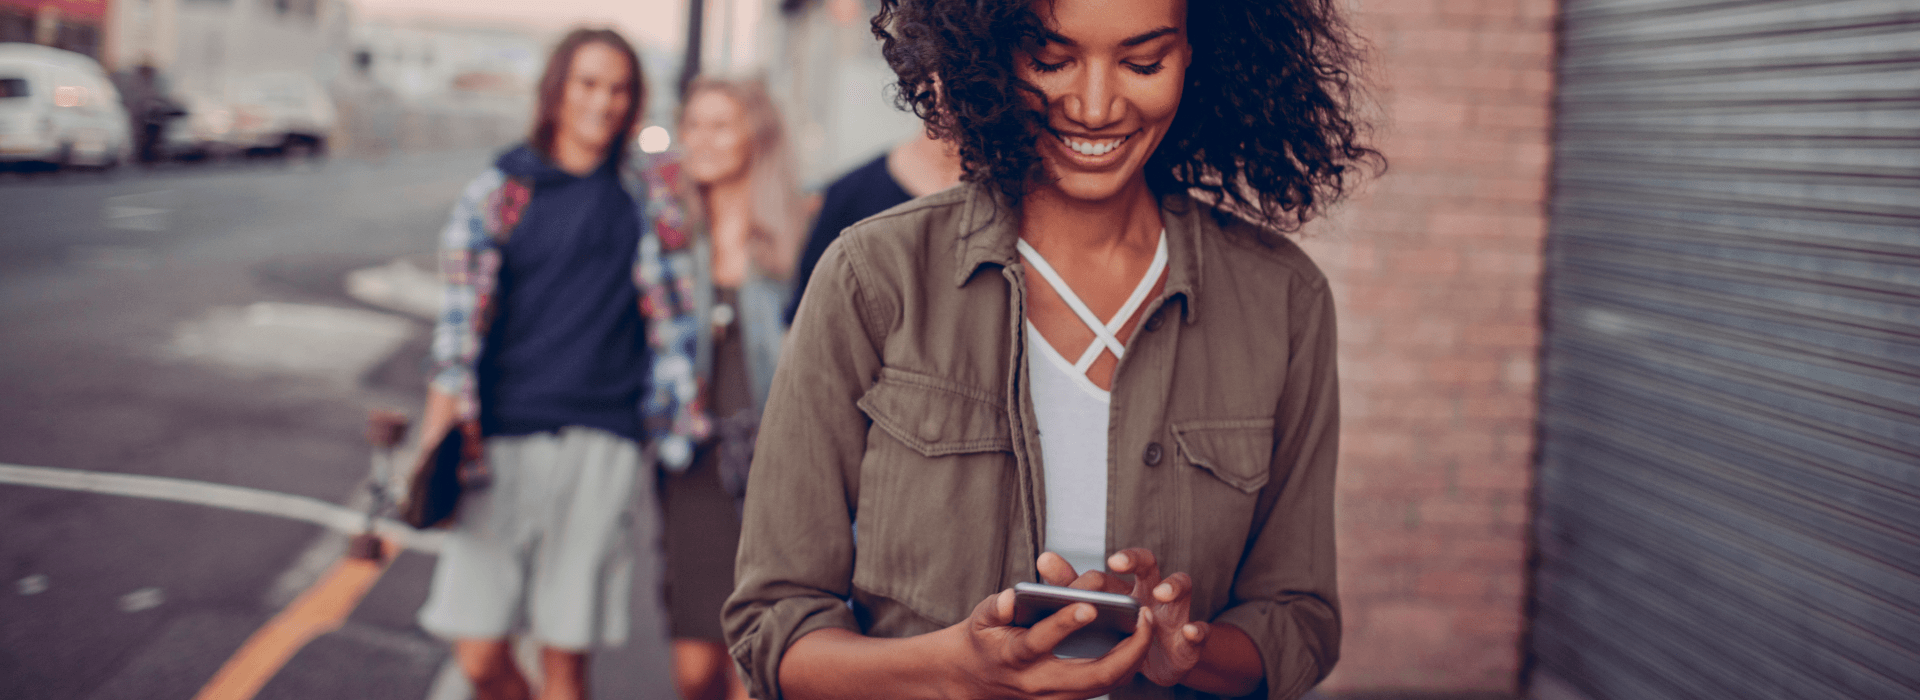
(718, 142)
(1112, 71)
(594, 102)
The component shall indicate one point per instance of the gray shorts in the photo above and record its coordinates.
(548, 549)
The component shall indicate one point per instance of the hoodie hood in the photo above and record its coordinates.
(522, 161)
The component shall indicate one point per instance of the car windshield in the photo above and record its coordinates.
(13, 87)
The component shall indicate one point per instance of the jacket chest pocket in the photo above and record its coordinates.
(938, 491)
(1236, 451)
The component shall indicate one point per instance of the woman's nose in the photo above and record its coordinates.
(1094, 103)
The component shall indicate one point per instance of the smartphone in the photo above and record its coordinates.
(1114, 618)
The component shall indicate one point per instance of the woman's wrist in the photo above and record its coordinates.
(1229, 664)
(841, 663)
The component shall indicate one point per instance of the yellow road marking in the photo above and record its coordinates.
(321, 609)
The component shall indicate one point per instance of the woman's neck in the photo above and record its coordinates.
(1051, 221)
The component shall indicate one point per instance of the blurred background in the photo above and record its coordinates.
(1630, 332)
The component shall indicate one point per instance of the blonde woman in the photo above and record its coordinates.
(735, 181)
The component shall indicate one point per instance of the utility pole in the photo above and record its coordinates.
(690, 66)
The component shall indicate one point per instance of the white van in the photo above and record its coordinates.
(58, 107)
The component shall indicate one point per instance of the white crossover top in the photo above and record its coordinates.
(1071, 412)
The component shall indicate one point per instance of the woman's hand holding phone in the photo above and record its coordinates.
(1177, 640)
(1001, 660)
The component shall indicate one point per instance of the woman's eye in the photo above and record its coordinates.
(1043, 67)
(1148, 69)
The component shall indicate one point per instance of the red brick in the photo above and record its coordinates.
(1503, 405)
(1450, 512)
(1463, 371)
(1518, 334)
(1528, 114)
(1452, 585)
(1523, 265)
(1523, 44)
(1399, 8)
(1534, 81)
(1507, 189)
(1429, 262)
(1426, 110)
(1492, 474)
(1520, 373)
(1473, 8)
(1539, 9)
(1430, 41)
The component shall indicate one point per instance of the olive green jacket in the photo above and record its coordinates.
(897, 481)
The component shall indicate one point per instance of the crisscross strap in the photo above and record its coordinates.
(1104, 332)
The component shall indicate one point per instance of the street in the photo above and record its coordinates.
(195, 324)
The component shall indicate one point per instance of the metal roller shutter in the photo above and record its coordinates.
(1729, 487)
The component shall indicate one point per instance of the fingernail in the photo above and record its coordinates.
(1164, 590)
(1084, 614)
(1117, 561)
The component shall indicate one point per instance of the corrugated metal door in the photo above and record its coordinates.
(1729, 490)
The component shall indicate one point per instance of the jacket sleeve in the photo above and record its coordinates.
(795, 565)
(456, 341)
(1285, 594)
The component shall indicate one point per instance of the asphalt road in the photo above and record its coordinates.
(192, 323)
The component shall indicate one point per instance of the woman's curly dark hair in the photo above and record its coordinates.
(1267, 126)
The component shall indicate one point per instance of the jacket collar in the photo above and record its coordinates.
(989, 230)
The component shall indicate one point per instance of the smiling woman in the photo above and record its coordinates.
(1097, 365)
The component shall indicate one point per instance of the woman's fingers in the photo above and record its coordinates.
(1055, 570)
(1128, 656)
(994, 611)
(1145, 568)
(1174, 589)
(1195, 633)
(1046, 634)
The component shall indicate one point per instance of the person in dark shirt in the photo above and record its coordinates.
(916, 167)
(543, 345)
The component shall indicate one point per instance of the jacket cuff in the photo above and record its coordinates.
(1294, 656)
(451, 379)
(761, 648)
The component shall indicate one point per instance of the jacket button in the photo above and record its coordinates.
(1153, 322)
(1153, 454)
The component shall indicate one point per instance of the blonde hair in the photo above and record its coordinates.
(771, 181)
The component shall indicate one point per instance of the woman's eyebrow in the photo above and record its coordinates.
(1053, 37)
(1145, 37)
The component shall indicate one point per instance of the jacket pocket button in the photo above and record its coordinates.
(1153, 454)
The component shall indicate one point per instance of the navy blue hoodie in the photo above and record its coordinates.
(567, 347)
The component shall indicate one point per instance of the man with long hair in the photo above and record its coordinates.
(543, 358)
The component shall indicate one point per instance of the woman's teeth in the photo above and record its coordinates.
(1093, 148)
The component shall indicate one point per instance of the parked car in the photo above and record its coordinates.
(58, 108)
(265, 113)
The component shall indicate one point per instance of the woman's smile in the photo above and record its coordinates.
(1098, 151)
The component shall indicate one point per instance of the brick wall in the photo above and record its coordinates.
(1436, 271)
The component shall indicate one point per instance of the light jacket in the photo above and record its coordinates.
(898, 477)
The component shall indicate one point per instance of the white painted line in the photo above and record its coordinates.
(284, 505)
(143, 599)
(35, 584)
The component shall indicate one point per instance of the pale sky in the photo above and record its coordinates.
(659, 24)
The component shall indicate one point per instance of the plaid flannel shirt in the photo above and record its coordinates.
(672, 411)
